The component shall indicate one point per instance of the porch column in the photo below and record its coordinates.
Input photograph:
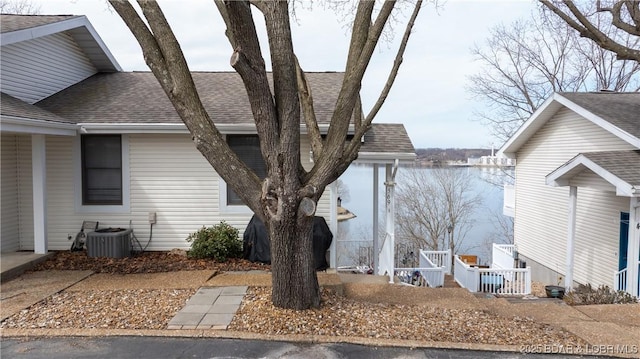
(376, 208)
(39, 175)
(633, 249)
(333, 224)
(571, 234)
(387, 254)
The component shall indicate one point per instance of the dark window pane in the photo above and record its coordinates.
(247, 147)
(101, 170)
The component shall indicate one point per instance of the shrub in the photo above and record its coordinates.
(585, 295)
(219, 242)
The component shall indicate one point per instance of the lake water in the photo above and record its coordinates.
(355, 235)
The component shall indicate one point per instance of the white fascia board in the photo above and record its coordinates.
(31, 126)
(530, 127)
(54, 28)
(43, 30)
(107, 128)
(385, 157)
(104, 128)
(563, 175)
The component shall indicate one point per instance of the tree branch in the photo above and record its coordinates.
(309, 114)
(165, 59)
(248, 62)
(396, 65)
(588, 30)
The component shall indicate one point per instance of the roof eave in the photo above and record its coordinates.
(561, 177)
(546, 111)
(66, 25)
(385, 157)
(246, 128)
(31, 126)
(531, 126)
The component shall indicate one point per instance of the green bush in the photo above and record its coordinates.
(586, 294)
(219, 242)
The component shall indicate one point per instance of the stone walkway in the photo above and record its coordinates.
(209, 308)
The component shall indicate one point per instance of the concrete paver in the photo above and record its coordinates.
(209, 308)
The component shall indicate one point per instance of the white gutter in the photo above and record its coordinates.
(28, 125)
(247, 128)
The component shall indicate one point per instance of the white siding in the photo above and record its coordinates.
(35, 69)
(542, 211)
(168, 176)
(10, 233)
(17, 193)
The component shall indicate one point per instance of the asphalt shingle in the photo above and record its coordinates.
(623, 164)
(622, 109)
(14, 107)
(11, 22)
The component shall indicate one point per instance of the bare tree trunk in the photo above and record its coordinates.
(293, 275)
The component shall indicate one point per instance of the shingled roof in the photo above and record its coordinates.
(126, 98)
(136, 97)
(619, 168)
(620, 109)
(17, 108)
(11, 22)
(616, 112)
(623, 164)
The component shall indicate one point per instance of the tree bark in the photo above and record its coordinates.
(286, 199)
(293, 275)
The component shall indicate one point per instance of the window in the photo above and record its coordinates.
(247, 147)
(101, 169)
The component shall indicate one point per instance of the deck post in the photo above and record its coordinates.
(39, 174)
(333, 224)
(571, 235)
(633, 249)
(376, 208)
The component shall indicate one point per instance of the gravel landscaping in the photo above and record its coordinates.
(338, 316)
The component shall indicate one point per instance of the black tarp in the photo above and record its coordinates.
(255, 242)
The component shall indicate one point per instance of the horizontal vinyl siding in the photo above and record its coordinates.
(168, 176)
(10, 240)
(62, 219)
(35, 69)
(542, 211)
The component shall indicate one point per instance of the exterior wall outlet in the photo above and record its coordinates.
(152, 217)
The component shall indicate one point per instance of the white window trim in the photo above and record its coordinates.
(222, 196)
(125, 207)
(229, 208)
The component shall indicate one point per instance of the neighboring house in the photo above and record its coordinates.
(577, 190)
(82, 140)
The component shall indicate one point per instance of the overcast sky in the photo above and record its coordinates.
(428, 96)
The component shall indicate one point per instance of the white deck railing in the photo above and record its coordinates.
(502, 257)
(429, 273)
(620, 280)
(466, 276)
(510, 281)
(438, 258)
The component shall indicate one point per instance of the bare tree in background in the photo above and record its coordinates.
(286, 199)
(19, 7)
(527, 61)
(595, 24)
(435, 207)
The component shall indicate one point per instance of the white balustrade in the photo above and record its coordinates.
(503, 281)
